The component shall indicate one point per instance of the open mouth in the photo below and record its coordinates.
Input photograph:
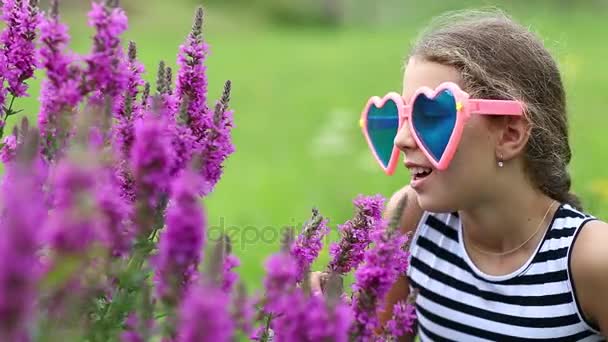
(420, 172)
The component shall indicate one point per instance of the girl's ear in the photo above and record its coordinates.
(513, 136)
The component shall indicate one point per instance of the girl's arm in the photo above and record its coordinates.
(589, 265)
(408, 223)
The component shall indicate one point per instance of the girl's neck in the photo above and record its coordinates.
(502, 224)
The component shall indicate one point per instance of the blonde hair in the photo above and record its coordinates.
(500, 59)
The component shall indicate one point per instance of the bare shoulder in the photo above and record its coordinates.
(589, 265)
(589, 251)
(411, 212)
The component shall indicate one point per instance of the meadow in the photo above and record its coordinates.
(297, 95)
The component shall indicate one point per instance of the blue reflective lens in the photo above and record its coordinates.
(382, 126)
(434, 120)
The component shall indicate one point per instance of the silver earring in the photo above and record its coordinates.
(500, 162)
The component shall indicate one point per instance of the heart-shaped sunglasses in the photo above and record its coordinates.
(437, 118)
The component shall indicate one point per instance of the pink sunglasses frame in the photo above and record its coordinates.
(465, 106)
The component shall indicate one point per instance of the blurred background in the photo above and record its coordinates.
(301, 72)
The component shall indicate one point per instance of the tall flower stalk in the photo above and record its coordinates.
(218, 145)
(309, 243)
(127, 109)
(61, 89)
(223, 264)
(18, 40)
(18, 50)
(191, 88)
(208, 136)
(382, 264)
(106, 75)
(355, 234)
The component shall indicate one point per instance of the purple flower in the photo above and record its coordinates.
(151, 158)
(181, 243)
(127, 109)
(383, 264)
(114, 210)
(22, 213)
(8, 149)
(349, 252)
(171, 102)
(192, 79)
(404, 317)
(205, 301)
(22, 19)
(230, 277)
(131, 336)
(218, 144)
(311, 318)
(183, 143)
(297, 316)
(194, 121)
(280, 281)
(370, 206)
(126, 182)
(73, 224)
(131, 333)
(309, 243)
(342, 320)
(209, 133)
(107, 73)
(60, 90)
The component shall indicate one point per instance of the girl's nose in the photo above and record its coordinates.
(404, 139)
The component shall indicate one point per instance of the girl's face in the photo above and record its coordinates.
(471, 175)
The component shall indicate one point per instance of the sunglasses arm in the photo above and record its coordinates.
(495, 107)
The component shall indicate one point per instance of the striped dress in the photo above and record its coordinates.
(458, 302)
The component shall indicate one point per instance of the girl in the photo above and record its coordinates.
(501, 249)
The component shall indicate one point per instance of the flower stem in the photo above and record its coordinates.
(266, 333)
(8, 112)
(129, 281)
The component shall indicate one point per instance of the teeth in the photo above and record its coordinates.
(420, 170)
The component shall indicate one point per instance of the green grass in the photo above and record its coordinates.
(297, 95)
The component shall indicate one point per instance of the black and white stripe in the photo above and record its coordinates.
(458, 302)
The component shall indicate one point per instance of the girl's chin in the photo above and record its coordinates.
(434, 202)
